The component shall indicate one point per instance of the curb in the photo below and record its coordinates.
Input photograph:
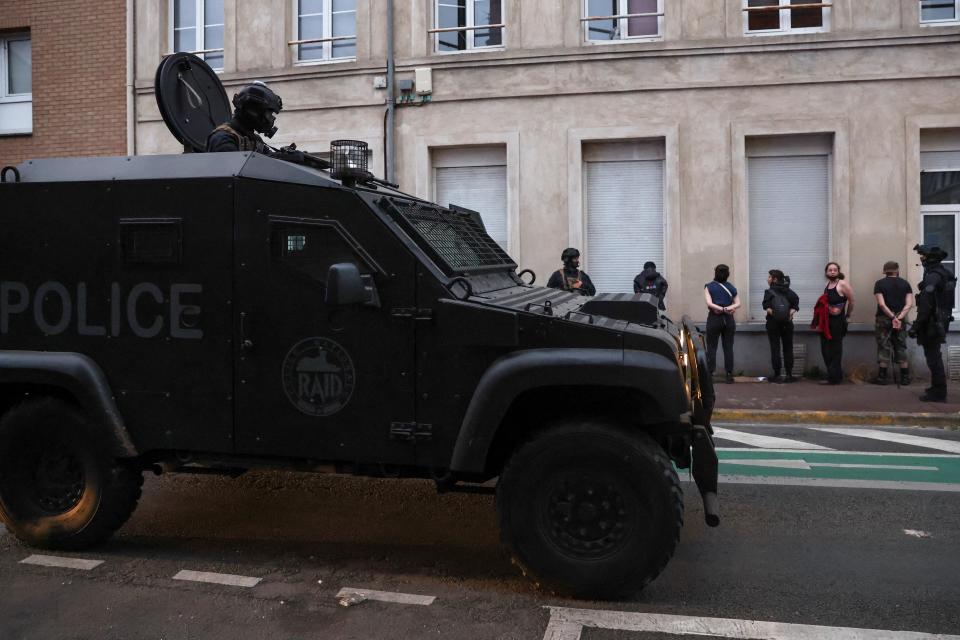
(950, 421)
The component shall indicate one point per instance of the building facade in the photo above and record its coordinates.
(687, 132)
(63, 79)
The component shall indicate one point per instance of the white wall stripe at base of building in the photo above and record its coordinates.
(387, 596)
(217, 578)
(61, 562)
(568, 624)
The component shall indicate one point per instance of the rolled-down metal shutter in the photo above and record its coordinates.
(789, 226)
(625, 225)
(483, 189)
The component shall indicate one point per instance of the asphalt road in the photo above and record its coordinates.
(797, 545)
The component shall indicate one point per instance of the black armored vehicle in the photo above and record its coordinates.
(214, 313)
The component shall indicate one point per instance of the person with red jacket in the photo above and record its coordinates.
(830, 317)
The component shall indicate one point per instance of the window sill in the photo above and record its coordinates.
(940, 23)
(15, 132)
(20, 97)
(474, 50)
(784, 32)
(320, 63)
(606, 43)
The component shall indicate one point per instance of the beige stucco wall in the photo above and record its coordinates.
(873, 82)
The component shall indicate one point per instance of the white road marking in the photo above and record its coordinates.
(895, 485)
(61, 562)
(800, 463)
(776, 464)
(939, 456)
(387, 596)
(895, 467)
(916, 533)
(765, 442)
(217, 578)
(951, 446)
(568, 624)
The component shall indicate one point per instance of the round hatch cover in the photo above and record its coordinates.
(191, 99)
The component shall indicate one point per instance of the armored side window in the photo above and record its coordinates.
(310, 248)
(151, 241)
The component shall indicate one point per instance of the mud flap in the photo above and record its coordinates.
(705, 473)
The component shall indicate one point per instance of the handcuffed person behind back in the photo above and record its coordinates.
(894, 300)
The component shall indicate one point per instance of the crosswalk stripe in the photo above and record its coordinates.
(386, 596)
(950, 446)
(765, 442)
(61, 562)
(217, 578)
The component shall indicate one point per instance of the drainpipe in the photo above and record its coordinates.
(131, 93)
(391, 143)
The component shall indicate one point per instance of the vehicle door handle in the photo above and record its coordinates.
(246, 344)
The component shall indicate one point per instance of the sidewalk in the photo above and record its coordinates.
(849, 403)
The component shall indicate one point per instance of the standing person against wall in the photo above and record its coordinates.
(722, 301)
(830, 317)
(894, 300)
(780, 303)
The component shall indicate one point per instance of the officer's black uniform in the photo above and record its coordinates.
(934, 304)
(255, 109)
(570, 274)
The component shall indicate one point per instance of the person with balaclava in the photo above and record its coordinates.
(570, 277)
(255, 110)
(934, 309)
(650, 281)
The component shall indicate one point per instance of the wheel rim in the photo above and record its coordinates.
(58, 480)
(586, 515)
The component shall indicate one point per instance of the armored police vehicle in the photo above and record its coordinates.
(214, 313)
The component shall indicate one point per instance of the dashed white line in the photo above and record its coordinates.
(950, 446)
(61, 562)
(568, 624)
(765, 442)
(386, 596)
(217, 578)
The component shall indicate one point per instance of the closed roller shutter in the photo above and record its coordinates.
(625, 226)
(789, 226)
(940, 161)
(482, 189)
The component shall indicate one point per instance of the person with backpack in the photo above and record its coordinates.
(934, 307)
(650, 281)
(722, 301)
(894, 300)
(781, 303)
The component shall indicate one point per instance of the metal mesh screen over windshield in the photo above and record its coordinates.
(455, 240)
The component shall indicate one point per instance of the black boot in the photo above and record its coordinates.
(905, 377)
(881, 377)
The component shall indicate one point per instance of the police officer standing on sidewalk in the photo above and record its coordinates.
(934, 304)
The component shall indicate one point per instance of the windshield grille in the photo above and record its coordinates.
(455, 239)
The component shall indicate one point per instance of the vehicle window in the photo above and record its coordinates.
(311, 249)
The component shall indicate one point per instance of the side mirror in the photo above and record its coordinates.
(345, 285)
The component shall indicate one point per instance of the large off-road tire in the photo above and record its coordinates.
(60, 486)
(591, 510)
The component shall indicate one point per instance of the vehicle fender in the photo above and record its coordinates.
(513, 374)
(79, 376)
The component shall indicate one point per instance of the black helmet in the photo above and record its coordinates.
(569, 254)
(257, 106)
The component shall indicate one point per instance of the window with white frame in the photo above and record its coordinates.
(939, 11)
(940, 204)
(475, 178)
(16, 80)
(623, 193)
(785, 16)
(464, 25)
(325, 30)
(197, 26)
(619, 20)
(788, 191)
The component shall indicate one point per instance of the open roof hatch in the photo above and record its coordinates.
(191, 99)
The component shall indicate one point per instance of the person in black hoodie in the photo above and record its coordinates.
(780, 303)
(650, 281)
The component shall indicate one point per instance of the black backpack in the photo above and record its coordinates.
(780, 306)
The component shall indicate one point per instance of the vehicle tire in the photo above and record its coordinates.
(591, 510)
(60, 486)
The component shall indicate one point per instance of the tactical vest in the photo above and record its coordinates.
(244, 143)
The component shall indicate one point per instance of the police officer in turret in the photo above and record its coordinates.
(934, 305)
(570, 277)
(255, 109)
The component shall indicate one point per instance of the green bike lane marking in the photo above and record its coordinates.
(933, 468)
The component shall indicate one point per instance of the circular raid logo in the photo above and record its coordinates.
(318, 376)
